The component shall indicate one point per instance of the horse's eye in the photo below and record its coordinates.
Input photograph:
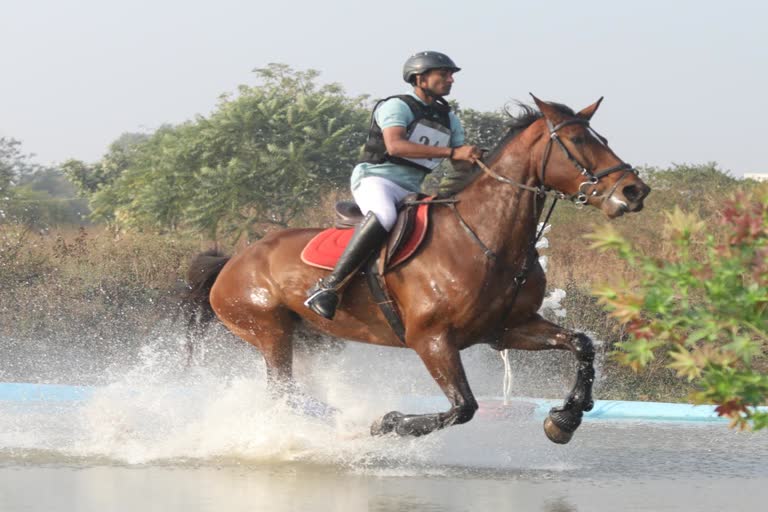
(578, 140)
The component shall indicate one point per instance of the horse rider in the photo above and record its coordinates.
(410, 135)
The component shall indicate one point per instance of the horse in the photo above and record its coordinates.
(475, 278)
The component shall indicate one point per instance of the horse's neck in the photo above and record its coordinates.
(503, 216)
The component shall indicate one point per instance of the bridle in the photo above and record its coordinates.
(592, 178)
(542, 190)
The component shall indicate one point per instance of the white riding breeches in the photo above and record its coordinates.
(380, 196)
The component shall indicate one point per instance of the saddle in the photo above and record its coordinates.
(325, 248)
(405, 237)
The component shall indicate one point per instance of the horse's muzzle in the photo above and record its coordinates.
(635, 194)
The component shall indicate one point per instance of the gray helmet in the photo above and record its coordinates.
(424, 61)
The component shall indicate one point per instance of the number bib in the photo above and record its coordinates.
(429, 133)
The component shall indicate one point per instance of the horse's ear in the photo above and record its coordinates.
(588, 112)
(548, 110)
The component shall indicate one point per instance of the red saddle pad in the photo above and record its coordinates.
(324, 250)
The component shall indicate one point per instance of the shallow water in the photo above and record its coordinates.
(152, 449)
(157, 436)
(288, 488)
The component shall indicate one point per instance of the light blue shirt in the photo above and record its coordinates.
(395, 112)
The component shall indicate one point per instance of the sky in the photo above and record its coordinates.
(683, 81)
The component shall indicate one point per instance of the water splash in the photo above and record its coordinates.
(150, 408)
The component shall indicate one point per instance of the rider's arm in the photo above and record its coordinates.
(398, 145)
(393, 116)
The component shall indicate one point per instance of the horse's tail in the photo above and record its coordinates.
(195, 302)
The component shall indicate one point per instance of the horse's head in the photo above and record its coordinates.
(577, 162)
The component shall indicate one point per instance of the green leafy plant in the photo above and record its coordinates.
(705, 308)
(263, 156)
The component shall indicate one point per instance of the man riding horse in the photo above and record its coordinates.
(476, 279)
(410, 135)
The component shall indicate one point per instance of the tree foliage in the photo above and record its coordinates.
(32, 194)
(691, 178)
(483, 129)
(264, 155)
(13, 164)
(707, 308)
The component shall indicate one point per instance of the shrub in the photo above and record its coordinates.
(706, 306)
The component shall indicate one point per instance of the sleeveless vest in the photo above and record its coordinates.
(431, 126)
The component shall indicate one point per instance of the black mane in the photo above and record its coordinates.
(522, 120)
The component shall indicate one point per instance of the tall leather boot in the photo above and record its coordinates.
(324, 296)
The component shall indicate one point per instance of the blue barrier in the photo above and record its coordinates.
(613, 410)
(494, 406)
(22, 392)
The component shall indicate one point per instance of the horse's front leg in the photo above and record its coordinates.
(443, 361)
(540, 334)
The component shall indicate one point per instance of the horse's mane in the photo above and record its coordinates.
(517, 123)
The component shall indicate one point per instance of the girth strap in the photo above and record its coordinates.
(378, 288)
(488, 252)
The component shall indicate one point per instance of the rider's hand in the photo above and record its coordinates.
(468, 153)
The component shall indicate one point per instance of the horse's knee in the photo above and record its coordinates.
(465, 413)
(583, 347)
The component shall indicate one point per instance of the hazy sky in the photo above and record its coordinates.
(684, 81)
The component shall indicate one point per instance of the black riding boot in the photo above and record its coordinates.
(324, 296)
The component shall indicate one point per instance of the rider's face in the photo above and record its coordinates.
(439, 81)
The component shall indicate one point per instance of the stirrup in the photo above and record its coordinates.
(323, 301)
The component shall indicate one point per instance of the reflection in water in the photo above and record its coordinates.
(286, 488)
(561, 504)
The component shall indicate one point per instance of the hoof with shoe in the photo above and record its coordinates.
(555, 433)
(561, 424)
(386, 424)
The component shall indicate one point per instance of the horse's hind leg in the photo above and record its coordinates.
(271, 334)
(197, 324)
(443, 361)
(540, 334)
(274, 339)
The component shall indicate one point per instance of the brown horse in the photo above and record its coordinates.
(475, 279)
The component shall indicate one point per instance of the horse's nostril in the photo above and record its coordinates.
(634, 193)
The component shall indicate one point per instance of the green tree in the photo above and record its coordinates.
(33, 194)
(707, 309)
(264, 155)
(121, 154)
(272, 151)
(97, 181)
(483, 129)
(691, 178)
(13, 166)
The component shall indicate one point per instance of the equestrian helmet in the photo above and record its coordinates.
(424, 61)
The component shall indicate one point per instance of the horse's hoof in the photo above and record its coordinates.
(590, 405)
(555, 433)
(386, 424)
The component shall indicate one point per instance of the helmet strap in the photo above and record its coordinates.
(428, 92)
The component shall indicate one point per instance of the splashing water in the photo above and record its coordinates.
(156, 411)
(148, 407)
